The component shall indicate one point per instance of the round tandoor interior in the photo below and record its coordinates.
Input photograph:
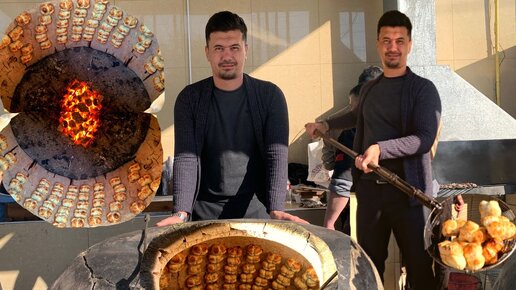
(237, 255)
(79, 179)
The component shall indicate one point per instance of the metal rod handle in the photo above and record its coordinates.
(386, 174)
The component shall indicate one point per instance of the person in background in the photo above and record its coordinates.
(341, 164)
(231, 145)
(396, 124)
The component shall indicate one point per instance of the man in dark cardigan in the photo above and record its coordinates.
(396, 124)
(231, 137)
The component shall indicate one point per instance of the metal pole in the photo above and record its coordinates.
(386, 174)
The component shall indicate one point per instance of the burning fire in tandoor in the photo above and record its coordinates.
(80, 113)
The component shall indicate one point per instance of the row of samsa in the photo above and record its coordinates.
(471, 246)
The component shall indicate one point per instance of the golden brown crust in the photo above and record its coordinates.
(300, 284)
(233, 261)
(50, 205)
(211, 277)
(114, 217)
(68, 202)
(137, 206)
(254, 250)
(94, 221)
(229, 286)
(249, 268)
(46, 8)
(200, 249)
(260, 281)
(293, 265)
(4, 164)
(133, 176)
(37, 196)
(21, 177)
(15, 46)
(269, 266)
(218, 249)
(80, 213)
(120, 196)
(115, 181)
(78, 222)
(44, 212)
(96, 211)
(130, 21)
(63, 14)
(115, 206)
(16, 33)
(23, 19)
(211, 268)
(276, 285)
(145, 180)
(215, 259)
(246, 278)
(194, 259)
(83, 4)
(266, 274)
(45, 19)
(154, 185)
(99, 195)
(98, 202)
(83, 204)
(119, 188)
(10, 157)
(232, 270)
(193, 280)
(3, 140)
(230, 279)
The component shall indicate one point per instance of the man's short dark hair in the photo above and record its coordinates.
(394, 18)
(225, 21)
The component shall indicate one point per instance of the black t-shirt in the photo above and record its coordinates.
(382, 118)
(231, 165)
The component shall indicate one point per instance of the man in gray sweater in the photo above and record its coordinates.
(396, 124)
(231, 133)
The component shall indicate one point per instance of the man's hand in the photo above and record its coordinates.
(281, 215)
(458, 203)
(170, 221)
(371, 155)
(311, 127)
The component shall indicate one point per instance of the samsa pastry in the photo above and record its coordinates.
(489, 208)
(23, 19)
(490, 251)
(3, 139)
(6, 40)
(46, 8)
(474, 258)
(114, 217)
(25, 58)
(83, 4)
(27, 49)
(45, 44)
(16, 33)
(66, 5)
(45, 19)
(137, 207)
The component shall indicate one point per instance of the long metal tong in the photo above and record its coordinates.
(386, 174)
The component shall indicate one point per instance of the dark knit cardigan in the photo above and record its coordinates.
(420, 115)
(270, 125)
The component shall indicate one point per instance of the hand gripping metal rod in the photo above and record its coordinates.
(386, 174)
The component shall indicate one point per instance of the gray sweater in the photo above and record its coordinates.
(420, 115)
(270, 125)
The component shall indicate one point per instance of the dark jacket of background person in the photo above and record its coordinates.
(419, 126)
(270, 124)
